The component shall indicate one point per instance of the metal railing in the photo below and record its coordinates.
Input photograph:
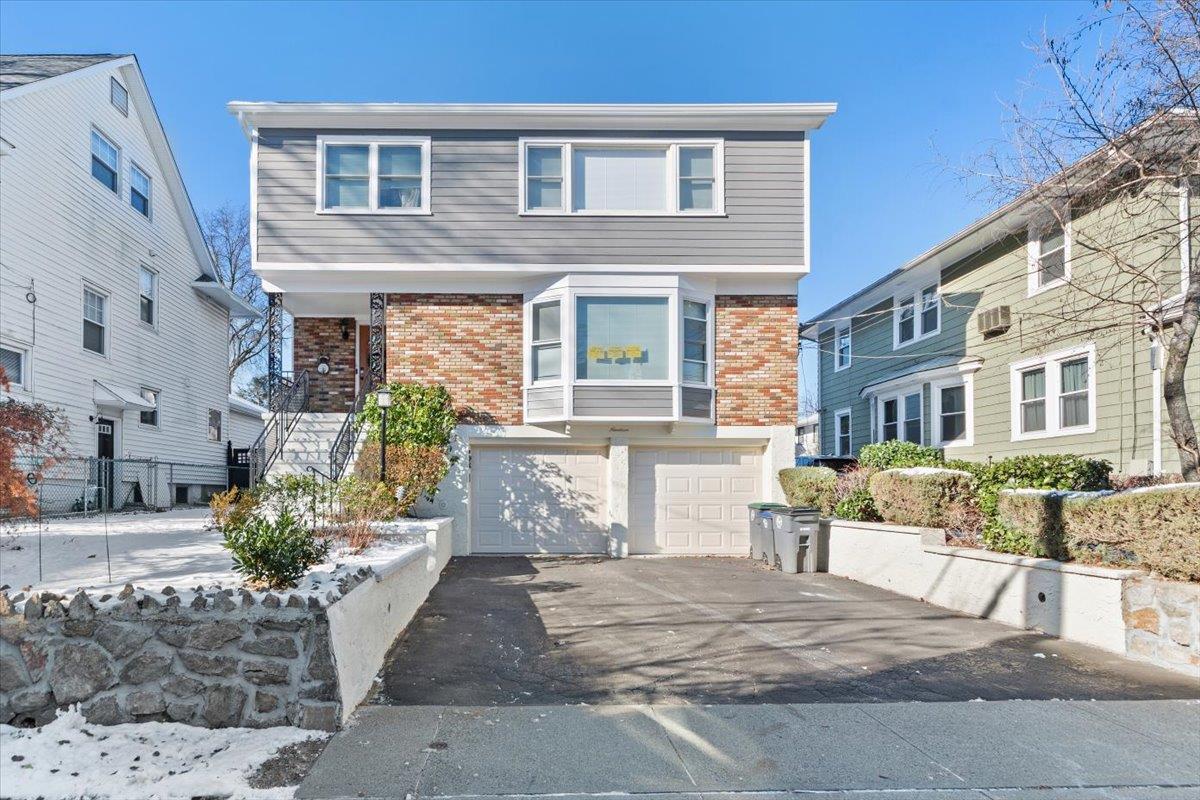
(269, 445)
(347, 435)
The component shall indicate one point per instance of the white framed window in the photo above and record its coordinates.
(842, 348)
(622, 177)
(901, 416)
(118, 95)
(139, 190)
(952, 405)
(546, 347)
(1054, 395)
(15, 361)
(916, 316)
(148, 295)
(106, 162)
(696, 342)
(622, 338)
(214, 425)
(373, 174)
(95, 321)
(149, 417)
(1049, 256)
(841, 432)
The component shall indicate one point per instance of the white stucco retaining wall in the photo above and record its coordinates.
(1078, 602)
(364, 623)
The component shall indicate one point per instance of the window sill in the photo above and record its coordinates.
(897, 345)
(836, 368)
(659, 214)
(1024, 437)
(366, 212)
(1034, 291)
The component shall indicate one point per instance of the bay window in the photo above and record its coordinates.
(649, 177)
(546, 359)
(900, 417)
(1054, 395)
(622, 338)
(695, 342)
(952, 409)
(373, 175)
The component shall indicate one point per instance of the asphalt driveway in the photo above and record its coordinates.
(556, 677)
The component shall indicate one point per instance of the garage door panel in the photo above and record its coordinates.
(539, 500)
(692, 500)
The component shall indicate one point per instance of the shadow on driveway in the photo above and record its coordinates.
(546, 631)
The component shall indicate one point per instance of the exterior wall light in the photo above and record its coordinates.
(323, 365)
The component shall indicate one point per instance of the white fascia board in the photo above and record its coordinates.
(222, 296)
(626, 116)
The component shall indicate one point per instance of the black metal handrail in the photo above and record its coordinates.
(347, 436)
(293, 401)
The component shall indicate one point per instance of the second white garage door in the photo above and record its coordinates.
(539, 499)
(692, 500)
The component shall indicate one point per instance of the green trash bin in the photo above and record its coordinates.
(762, 539)
(795, 532)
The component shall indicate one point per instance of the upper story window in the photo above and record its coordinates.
(1049, 256)
(149, 416)
(634, 177)
(1054, 395)
(622, 338)
(13, 361)
(106, 161)
(95, 321)
(547, 341)
(139, 190)
(916, 316)
(373, 175)
(148, 294)
(695, 342)
(118, 96)
(841, 348)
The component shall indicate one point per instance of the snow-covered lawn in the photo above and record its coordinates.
(70, 758)
(149, 550)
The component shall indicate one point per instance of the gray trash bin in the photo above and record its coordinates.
(795, 537)
(761, 530)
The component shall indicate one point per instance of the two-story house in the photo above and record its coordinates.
(110, 309)
(607, 291)
(1014, 336)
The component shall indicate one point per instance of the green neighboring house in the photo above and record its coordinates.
(965, 347)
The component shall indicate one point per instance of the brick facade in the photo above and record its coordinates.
(757, 343)
(314, 337)
(470, 343)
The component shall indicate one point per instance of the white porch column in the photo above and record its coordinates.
(618, 497)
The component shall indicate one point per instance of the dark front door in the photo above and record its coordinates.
(105, 448)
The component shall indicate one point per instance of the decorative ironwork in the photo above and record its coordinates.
(377, 342)
(293, 401)
(347, 436)
(274, 350)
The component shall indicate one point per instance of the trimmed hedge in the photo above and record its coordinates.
(810, 486)
(1158, 528)
(894, 454)
(854, 501)
(926, 497)
(1032, 520)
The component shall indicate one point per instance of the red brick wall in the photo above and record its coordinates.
(757, 341)
(314, 337)
(469, 343)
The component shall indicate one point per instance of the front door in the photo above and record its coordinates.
(105, 449)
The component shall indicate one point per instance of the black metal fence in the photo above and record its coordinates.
(82, 486)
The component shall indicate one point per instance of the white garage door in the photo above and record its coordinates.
(539, 500)
(692, 500)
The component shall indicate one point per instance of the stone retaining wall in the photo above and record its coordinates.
(217, 657)
(1162, 622)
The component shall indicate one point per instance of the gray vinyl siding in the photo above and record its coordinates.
(475, 218)
(997, 276)
(696, 402)
(623, 401)
(544, 401)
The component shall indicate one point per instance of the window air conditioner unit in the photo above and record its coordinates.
(995, 320)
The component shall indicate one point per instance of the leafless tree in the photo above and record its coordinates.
(227, 229)
(1105, 139)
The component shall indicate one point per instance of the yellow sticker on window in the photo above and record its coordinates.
(614, 352)
(633, 351)
(595, 352)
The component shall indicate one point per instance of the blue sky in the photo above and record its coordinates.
(920, 85)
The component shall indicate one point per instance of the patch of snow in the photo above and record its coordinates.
(928, 471)
(1068, 494)
(71, 758)
(155, 550)
(1166, 487)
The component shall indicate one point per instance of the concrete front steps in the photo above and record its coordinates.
(309, 445)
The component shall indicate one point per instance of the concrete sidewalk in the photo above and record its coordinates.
(911, 751)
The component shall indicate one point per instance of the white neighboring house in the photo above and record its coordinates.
(808, 430)
(109, 304)
(245, 422)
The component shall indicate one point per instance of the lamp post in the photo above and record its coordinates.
(383, 398)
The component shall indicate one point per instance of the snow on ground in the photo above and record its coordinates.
(70, 758)
(150, 550)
